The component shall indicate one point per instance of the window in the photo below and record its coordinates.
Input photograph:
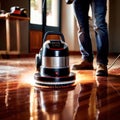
(36, 12)
(52, 13)
(47, 11)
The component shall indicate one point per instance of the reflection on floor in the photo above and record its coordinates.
(90, 98)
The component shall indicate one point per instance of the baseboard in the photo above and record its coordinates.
(32, 55)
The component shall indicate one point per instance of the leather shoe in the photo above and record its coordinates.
(101, 70)
(84, 65)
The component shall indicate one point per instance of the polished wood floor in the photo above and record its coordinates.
(90, 98)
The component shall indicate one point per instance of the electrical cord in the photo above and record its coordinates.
(114, 62)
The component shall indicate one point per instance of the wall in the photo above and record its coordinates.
(114, 26)
(68, 27)
(24, 26)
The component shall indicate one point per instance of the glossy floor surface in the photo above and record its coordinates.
(90, 98)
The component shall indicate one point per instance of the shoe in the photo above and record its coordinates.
(84, 65)
(101, 70)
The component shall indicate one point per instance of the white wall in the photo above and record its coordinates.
(68, 27)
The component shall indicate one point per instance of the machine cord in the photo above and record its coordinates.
(114, 62)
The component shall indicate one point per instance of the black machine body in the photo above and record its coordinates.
(52, 62)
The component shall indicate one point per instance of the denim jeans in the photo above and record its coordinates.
(98, 7)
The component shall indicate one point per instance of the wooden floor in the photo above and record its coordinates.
(90, 98)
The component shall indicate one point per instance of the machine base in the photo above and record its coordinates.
(54, 81)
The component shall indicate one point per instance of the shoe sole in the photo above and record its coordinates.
(101, 73)
(91, 68)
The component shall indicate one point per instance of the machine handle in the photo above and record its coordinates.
(69, 1)
(53, 33)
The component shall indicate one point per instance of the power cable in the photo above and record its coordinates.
(114, 61)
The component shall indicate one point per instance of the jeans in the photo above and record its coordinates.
(98, 7)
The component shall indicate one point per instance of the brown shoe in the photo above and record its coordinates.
(84, 65)
(101, 70)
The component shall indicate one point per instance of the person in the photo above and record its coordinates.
(98, 8)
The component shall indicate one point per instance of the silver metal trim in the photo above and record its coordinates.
(55, 62)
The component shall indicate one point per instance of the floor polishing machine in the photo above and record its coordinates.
(52, 62)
